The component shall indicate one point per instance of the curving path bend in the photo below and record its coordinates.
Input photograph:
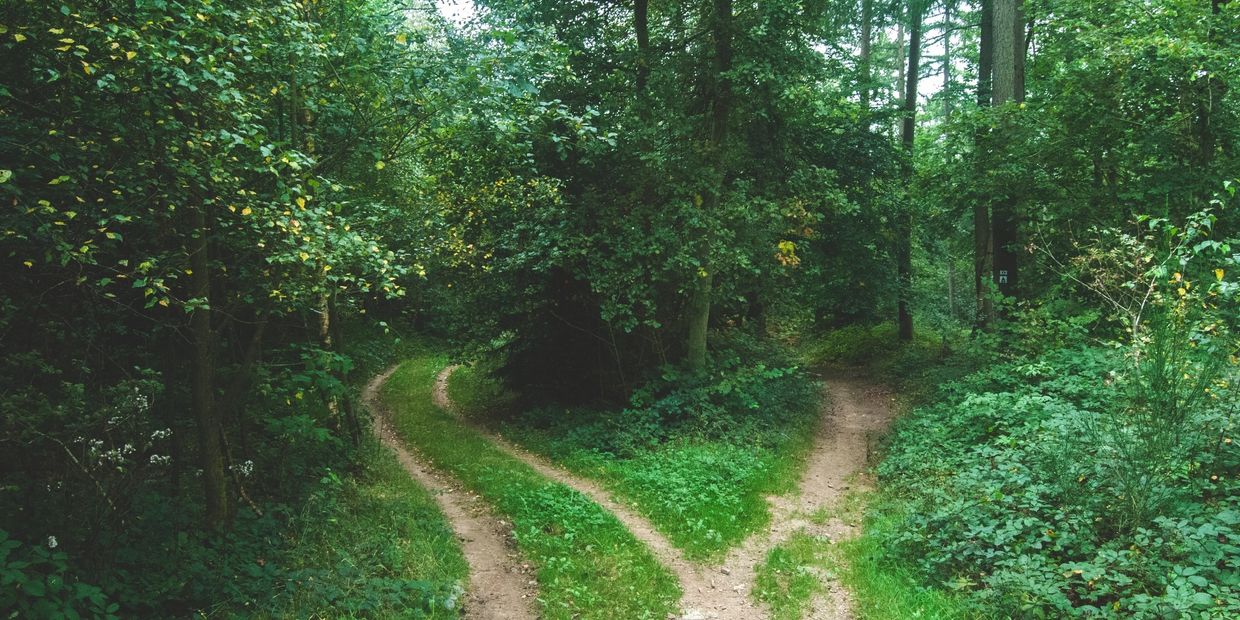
(499, 586)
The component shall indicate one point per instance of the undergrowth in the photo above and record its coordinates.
(1008, 488)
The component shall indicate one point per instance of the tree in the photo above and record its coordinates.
(904, 219)
(1008, 87)
(717, 143)
(983, 242)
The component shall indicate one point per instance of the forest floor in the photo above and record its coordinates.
(854, 413)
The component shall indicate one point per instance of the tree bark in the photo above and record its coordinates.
(1008, 55)
(210, 451)
(867, 34)
(721, 103)
(641, 27)
(948, 7)
(904, 220)
(982, 241)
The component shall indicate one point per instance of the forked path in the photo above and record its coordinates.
(856, 412)
(499, 588)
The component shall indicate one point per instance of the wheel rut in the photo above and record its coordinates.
(854, 412)
(500, 584)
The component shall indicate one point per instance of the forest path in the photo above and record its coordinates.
(499, 586)
(855, 412)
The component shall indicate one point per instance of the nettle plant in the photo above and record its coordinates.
(1181, 347)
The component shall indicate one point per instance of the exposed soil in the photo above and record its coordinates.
(856, 413)
(501, 585)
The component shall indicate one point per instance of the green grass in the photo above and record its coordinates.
(589, 565)
(884, 590)
(705, 495)
(369, 543)
(788, 580)
(791, 576)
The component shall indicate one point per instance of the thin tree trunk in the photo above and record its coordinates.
(867, 34)
(641, 27)
(904, 224)
(721, 102)
(210, 451)
(948, 7)
(982, 242)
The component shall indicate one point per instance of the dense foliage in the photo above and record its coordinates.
(218, 214)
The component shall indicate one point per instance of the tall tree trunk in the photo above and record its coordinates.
(1009, 47)
(641, 27)
(867, 34)
(904, 220)
(949, 6)
(721, 103)
(1214, 91)
(983, 258)
(206, 414)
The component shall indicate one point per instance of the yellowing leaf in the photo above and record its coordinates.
(56, 30)
(130, 55)
(28, 263)
(19, 37)
(246, 211)
(163, 302)
(301, 202)
(401, 38)
(304, 256)
(379, 165)
(1218, 273)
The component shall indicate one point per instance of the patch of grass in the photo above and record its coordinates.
(792, 575)
(882, 590)
(705, 496)
(373, 544)
(589, 565)
(705, 491)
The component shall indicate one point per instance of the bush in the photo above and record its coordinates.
(1011, 488)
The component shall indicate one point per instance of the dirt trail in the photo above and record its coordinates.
(857, 412)
(499, 586)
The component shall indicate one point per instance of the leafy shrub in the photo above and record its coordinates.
(35, 582)
(1008, 492)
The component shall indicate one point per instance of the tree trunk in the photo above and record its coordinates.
(210, 451)
(721, 102)
(867, 34)
(982, 242)
(904, 220)
(1008, 48)
(1214, 91)
(641, 27)
(948, 7)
